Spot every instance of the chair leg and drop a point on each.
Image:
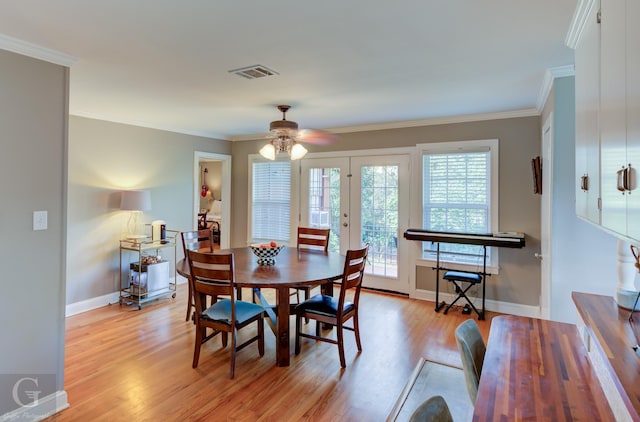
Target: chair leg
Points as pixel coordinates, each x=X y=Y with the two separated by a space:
x=225 y=338
x=298 y=327
x=356 y=331
x=307 y=294
x=200 y=334
x=318 y=324
x=189 y=302
x=340 y=336
x=233 y=354
x=261 y=337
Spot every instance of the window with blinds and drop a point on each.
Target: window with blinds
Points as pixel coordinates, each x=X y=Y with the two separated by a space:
x=456 y=197
x=271 y=201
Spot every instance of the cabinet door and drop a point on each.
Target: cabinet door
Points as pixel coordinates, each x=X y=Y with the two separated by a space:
x=633 y=116
x=613 y=114
x=587 y=80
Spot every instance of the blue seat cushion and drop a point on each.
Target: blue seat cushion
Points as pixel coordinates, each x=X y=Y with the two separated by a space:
x=324 y=305
x=221 y=311
x=462 y=276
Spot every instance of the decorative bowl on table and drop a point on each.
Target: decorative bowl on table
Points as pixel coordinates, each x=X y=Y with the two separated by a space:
x=266 y=252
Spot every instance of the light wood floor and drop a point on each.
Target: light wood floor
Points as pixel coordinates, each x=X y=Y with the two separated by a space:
x=125 y=364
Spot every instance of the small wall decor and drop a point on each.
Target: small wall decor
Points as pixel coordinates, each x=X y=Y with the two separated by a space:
x=536 y=168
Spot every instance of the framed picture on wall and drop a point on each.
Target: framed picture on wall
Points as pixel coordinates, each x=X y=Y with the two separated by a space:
x=536 y=168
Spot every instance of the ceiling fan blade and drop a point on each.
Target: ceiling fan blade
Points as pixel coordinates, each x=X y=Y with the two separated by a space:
x=318 y=137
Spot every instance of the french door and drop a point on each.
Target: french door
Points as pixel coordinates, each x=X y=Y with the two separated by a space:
x=324 y=198
x=364 y=200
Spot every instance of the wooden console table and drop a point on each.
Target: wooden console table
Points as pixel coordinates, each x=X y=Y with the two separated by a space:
x=536 y=369
x=609 y=337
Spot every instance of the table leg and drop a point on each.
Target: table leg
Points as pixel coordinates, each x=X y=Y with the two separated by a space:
x=283 y=354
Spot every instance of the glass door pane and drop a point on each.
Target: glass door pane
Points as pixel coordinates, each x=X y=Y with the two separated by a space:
x=379 y=218
x=324 y=198
x=379 y=203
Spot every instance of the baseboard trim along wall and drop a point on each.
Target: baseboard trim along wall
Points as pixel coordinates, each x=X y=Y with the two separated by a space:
x=490 y=305
x=100 y=301
x=43 y=408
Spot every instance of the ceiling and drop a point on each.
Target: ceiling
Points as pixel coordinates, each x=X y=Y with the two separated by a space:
x=165 y=64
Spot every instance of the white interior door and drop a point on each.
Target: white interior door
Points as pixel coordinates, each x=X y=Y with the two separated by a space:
x=545 y=218
x=379 y=203
x=324 y=198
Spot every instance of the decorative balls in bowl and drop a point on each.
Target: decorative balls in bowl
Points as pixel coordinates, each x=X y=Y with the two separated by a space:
x=266 y=252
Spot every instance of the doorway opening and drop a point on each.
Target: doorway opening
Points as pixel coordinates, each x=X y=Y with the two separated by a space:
x=215 y=183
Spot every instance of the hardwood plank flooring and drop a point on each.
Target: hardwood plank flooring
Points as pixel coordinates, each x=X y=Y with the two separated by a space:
x=125 y=364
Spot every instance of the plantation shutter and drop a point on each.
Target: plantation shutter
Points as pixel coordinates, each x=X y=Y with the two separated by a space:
x=456 y=194
x=271 y=201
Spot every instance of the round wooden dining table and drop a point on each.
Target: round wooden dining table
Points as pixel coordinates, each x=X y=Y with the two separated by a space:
x=293 y=268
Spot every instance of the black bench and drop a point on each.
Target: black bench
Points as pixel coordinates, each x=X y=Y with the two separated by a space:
x=459 y=277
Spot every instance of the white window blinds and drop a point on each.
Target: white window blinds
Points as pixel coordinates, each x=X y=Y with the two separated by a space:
x=271 y=201
x=456 y=195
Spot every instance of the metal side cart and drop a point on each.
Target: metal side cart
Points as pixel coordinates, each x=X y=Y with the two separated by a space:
x=147 y=264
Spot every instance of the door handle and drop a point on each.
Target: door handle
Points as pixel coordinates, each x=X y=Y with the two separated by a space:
x=626 y=182
x=538 y=256
x=619 y=179
x=584 y=182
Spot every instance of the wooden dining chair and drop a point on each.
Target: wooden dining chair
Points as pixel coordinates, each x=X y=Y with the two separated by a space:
x=212 y=276
x=196 y=240
x=329 y=310
x=311 y=238
x=202 y=221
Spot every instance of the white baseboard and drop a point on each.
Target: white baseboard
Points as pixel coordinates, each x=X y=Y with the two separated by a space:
x=490 y=305
x=93 y=303
x=46 y=406
x=100 y=301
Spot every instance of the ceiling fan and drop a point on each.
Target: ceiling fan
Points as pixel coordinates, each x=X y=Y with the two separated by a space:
x=285 y=137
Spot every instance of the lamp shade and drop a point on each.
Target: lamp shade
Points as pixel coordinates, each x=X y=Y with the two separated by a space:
x=136 y=200
x=268 y=151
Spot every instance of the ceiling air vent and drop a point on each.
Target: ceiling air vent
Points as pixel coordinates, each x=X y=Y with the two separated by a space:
x=254 y=72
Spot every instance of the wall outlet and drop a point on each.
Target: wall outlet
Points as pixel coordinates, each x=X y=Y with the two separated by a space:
x=40 y=220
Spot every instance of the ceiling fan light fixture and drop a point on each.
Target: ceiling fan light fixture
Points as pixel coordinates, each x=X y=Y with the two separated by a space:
x=297 y=151
x=268 y=151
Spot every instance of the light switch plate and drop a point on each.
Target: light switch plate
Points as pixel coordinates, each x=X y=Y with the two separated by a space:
x=40 y=220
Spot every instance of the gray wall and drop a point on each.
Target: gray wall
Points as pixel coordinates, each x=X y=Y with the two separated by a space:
x=584 y=258
x=33 y=118
x=106 y=158
x=519 y=279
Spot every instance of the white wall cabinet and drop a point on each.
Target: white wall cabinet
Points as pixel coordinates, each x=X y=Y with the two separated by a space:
x=613 y=132
x=587 y=80
x=633 y=115
x=607 y=117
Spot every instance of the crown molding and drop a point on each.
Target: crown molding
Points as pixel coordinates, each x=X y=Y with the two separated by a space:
x=37 y=52
x=578 y=22
x=416 y=123
x=549 y=76
x=203 y=134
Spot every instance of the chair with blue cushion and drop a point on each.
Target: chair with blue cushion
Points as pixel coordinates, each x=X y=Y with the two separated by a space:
x=326 y=309
x=314 y=239
x=434 y=409
x=196 y=240
x=212 y=276
x=472 y=350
